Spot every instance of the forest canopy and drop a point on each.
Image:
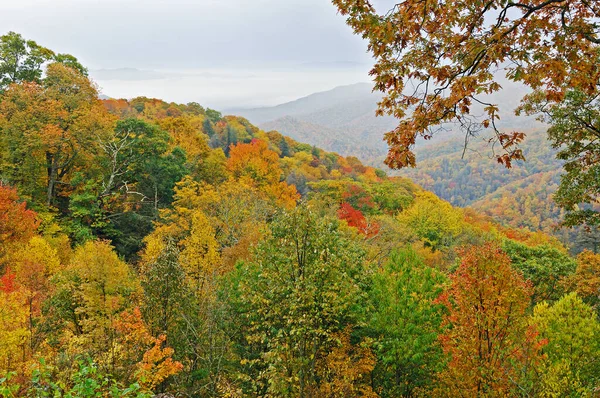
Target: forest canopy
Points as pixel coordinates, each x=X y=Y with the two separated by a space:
x=152 y=248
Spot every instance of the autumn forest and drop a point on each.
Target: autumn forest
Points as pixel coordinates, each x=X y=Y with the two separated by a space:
x=157 y=249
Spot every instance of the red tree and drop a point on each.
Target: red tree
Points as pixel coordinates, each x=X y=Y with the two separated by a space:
x=17 y=223
x=356 y=219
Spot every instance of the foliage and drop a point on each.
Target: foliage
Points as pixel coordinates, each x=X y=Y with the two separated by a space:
x=255 y=163
x=575 y=127
x=406 y=322
x=571 y=328
x=179 y=251
x=49 y=129
x=302 y=287
x=87 y=381
x=17 y=223
x=586 y=279
x=543 y=265
x=22 y=60
x=436 y=222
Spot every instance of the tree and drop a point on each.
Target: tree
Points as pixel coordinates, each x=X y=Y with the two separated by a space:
x=145 y=162
x=34 y=265
x=302 y=287
x=156 y=364
x=85 y=379
x=436 y=62
x=185 y=248
x=586 y=279
x=94 y=288
x=17 y=223
x=345 y=369
x=234 y=210
x=200 y=256
x=488 y=340
x=186 y=133
x=48 y=130
x=259 y=165
x=406 y=322
x=21 y=60
x=139 y=176
x=544 y=266
x=14 y=333
x=356 y=219
x=588 y=238
x=163 y=298
x=571 y=367
x=436 y=222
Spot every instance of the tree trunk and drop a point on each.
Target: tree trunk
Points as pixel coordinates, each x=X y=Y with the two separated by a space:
x=52 y=172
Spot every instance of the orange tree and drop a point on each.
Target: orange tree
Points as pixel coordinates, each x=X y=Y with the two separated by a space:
x=488 y=340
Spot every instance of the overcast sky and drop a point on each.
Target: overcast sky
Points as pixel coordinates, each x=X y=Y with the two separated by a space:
x=225 y=53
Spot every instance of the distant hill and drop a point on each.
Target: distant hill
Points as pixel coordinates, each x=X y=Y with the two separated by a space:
x=520 y=196
x=442 y=169
x=321 y=136
x=309 y=104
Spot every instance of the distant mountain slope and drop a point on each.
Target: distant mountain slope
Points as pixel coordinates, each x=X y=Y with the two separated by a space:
x=309 y=104
x=525 y=202
x=318 y=135
x=520 y=197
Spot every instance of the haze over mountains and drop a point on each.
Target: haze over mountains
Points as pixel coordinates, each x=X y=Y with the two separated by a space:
x=228 y=87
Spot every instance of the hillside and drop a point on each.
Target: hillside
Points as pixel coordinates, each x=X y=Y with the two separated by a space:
x=462 y=180
x=349 y=112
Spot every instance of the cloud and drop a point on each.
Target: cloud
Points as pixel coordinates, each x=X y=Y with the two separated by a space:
x=126 y=74
x=187 y=34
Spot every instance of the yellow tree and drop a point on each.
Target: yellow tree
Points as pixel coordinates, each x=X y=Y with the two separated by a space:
x=186 y=133
x=200 y=256
x=235 y=210
x=34 y=265
x=14 y=333
x=257 y=164
x=570 y=367
x=346 y=369
x=93 y=289
x=436 y=222
x=186 y=247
